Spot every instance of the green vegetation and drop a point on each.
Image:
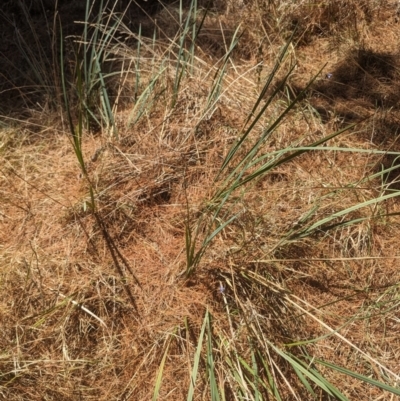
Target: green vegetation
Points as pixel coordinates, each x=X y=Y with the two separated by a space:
x=207 y=208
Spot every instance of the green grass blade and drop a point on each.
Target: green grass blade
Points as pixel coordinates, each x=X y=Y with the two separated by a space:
x=248 y=160
x=271 y=76
x=143 y=103
x=312 y=374
x=63 y=83
x=107 y=105
x=137 y=64
x=210 y=364
x=273 y=386
x=358 y=376
x=275 y=69
x=218 y=77
x=256 y=377
x=207 y=241
x=181 y=62
x=319 y=224
x=160 y=372
x=277 y=161
x=193 y=376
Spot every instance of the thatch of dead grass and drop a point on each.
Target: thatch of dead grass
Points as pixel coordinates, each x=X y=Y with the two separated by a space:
x=101 y=296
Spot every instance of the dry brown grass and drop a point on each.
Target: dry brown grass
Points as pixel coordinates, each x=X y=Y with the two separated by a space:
x=76 y=326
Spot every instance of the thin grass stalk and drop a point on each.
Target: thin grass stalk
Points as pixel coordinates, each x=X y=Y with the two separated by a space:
x=182 y=60
x=256 y=377
x=153 y=46
x=248 y=160
x=123 y=78
x=94 y=53
x=194 y=258
x=365 y=379
x=54 y=49
x=76 y=132
x=106 y=105
x=37 y=60
x=193 y=41
x=245 y=131
x=241 y=387
x=235 y=366
x=196 y=33
x=319 y=225
x=251 y=380
x=180 y=13
x=232 y=349
x=158 y=383
x=215 y=91
x=143 y=103
x=106 y=102
x=63 y=82
x=196 y=360
x=273 y=388
x=108 y=35
x=190 y=245
x=90 y=47
x=303 y=372
x=214 y=393
x=137 y=64
x=337 y=334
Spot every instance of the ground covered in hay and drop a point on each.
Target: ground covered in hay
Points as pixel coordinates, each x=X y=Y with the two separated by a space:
x=141 y=272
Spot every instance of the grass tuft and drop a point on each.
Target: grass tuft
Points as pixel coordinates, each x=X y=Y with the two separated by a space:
x=206 y=205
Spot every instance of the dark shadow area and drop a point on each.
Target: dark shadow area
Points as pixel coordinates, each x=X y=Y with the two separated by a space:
x=332 y=19
x=359 y=86
x=363 y=88
x=366 y=85
x=30 y=71
x=371 y=78
x=391 y=179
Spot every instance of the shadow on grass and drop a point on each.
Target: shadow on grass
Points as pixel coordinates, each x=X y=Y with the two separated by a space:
x=30 y=52
x=364 y=88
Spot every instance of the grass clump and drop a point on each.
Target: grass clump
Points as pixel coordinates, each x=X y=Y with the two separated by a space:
x=228 y=231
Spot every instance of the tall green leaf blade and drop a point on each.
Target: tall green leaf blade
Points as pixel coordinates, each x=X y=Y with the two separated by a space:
x=196 y=360
x=210 y=364
x=160 y=372
x=358 y=376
